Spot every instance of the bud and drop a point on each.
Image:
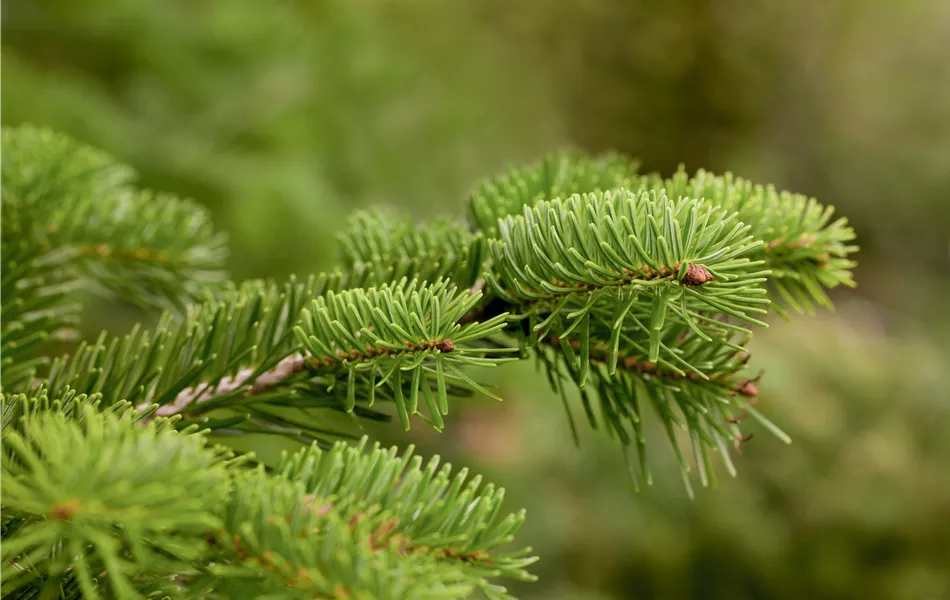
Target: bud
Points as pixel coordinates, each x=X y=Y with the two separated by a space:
x=697 y=275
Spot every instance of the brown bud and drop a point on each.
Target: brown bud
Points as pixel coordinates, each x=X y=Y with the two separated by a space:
x=748 y=388
x=445 y=346
x=65 y=510
x=697 y=275
x=805 y=240
x=340 y=593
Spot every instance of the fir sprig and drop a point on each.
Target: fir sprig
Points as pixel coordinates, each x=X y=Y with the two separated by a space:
x=37 y=309
x=557 y=175
x=407 y=332
x=616 y=257
x=253 y=351
x=152 y=249
x=114 y=501
x=234 y=343
x=417 y=529
x=805 y=250
x=388 y=246
x=706 y=404
x=138 y=509
x=637 y=290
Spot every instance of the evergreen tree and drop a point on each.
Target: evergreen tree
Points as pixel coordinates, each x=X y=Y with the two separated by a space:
x=639 y=291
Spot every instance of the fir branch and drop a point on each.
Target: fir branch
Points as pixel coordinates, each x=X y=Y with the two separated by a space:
x=238 y=352
x=805 y=249
x=708 y=407
x=389 y=247
x=701 y=387
x=637 y=292
x=381 y=507
x=616 y=257
x=36 y=307
x=557 y=175
x=275 y=543
x=130 y=501
x=393 y=333
x=210 y=360
x=329 y=524
x=149 y=248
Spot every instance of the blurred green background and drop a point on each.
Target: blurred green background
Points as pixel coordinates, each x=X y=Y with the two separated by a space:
x=285 y=116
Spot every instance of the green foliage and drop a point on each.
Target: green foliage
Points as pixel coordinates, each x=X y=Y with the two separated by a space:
x=804 y=250
x=557 y=175
x=106 y=495
x=237 y=351
x=685 y=258
x=212 y=357
x=390 y=247
x=617 y=279
x=155 y=508
x=407 y=331
x=59 y=194
x=307 y=552
x=37 y=309
x=384 y=523
x=284 y=118
x=639 y=294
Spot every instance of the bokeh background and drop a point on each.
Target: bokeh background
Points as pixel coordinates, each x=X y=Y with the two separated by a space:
x=285 y=116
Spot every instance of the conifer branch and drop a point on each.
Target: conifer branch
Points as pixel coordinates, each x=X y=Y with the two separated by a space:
x=636 y=290
x=557 y=175
x=252 y=349
x=214 y=354
x=806 y=251
x=396 y=332
x=70 y=478
x=59 y=194
x=403 y=510
x=316 y=525
x=36 y=307
x=804 y=248
x=389 y=247
x=616 y=257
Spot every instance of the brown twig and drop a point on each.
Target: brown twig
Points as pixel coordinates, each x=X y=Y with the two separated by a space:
x=696 y=275
x=645 y=367
x=284 y=369
x=203 y=392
